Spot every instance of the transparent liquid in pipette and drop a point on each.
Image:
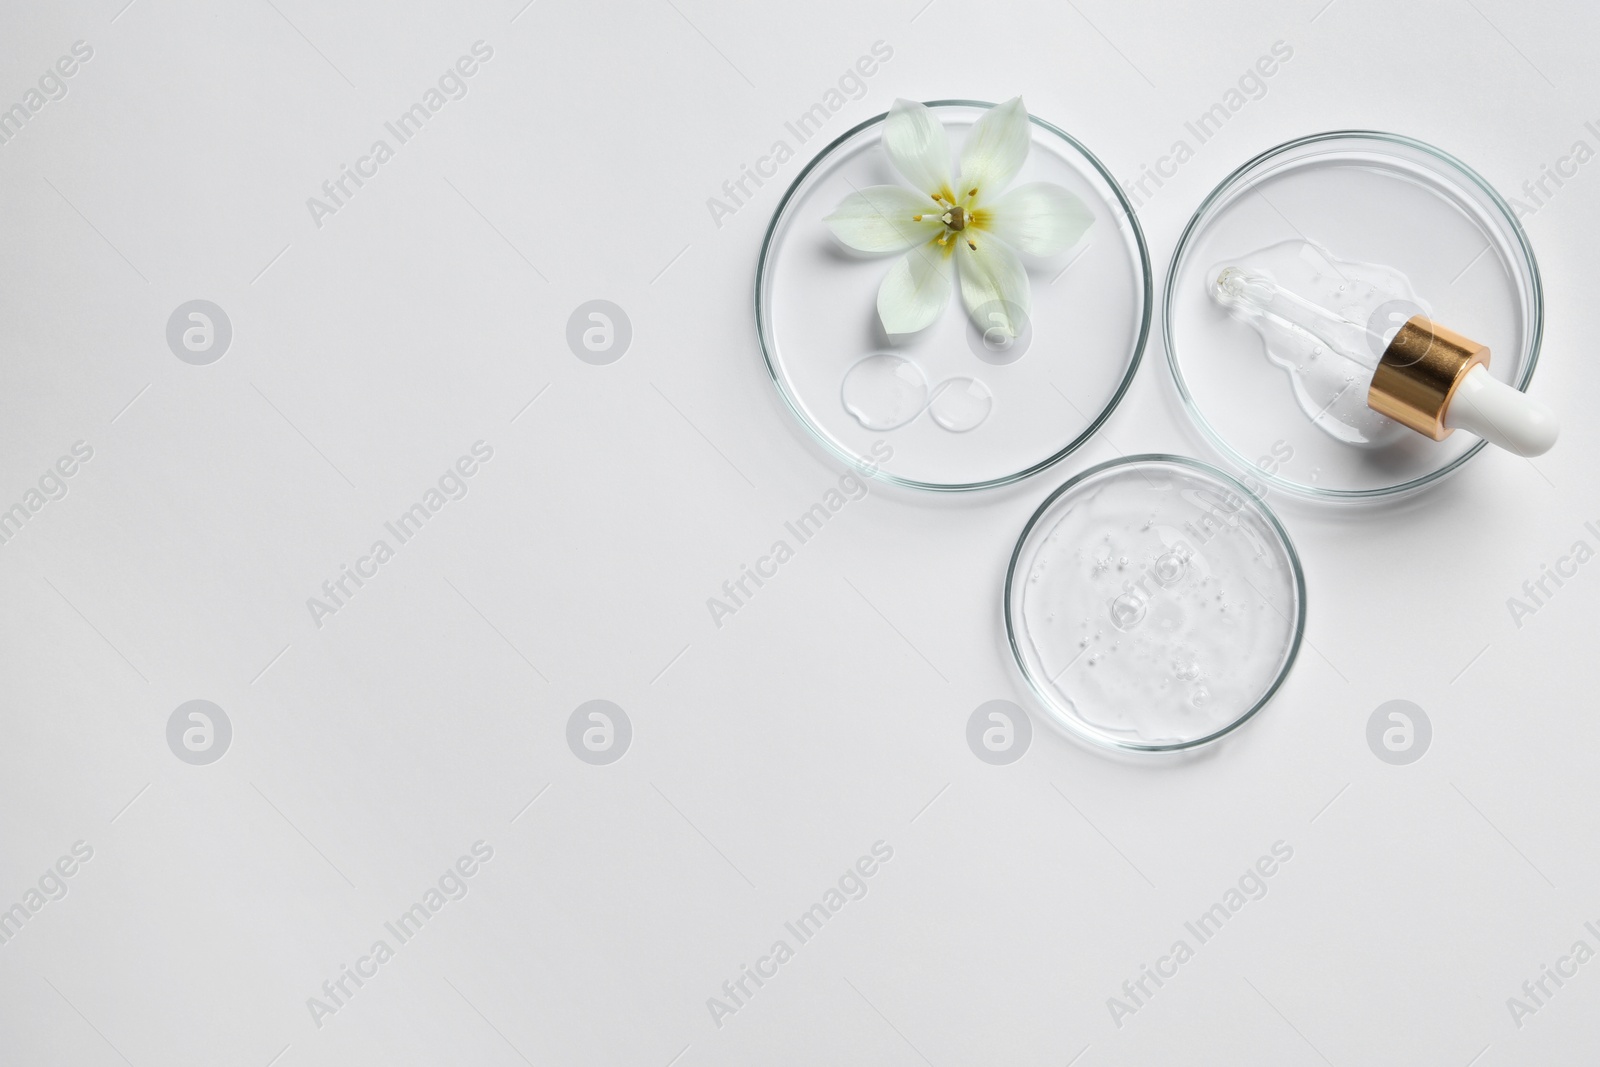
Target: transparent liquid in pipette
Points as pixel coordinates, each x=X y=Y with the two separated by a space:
x=1329 y=380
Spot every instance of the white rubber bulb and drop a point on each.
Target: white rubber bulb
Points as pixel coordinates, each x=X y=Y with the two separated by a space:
x=1489 y=408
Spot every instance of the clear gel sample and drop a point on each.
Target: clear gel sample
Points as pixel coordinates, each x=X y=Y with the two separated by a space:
x=884 y=392
x=961 y=404
x=1157 y=606
x=1326 y=322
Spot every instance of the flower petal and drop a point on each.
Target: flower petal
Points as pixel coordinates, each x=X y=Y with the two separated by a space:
x=995 y=149
x=880 y=218
x=1039 y=219
x=915 y=290
x=918 y=147
x=994 y=285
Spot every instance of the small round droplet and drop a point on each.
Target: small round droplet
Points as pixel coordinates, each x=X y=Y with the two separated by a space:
x=884 y=392
x=961 y=404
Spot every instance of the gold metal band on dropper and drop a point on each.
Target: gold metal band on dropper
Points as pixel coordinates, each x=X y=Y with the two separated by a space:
x=1419 y=373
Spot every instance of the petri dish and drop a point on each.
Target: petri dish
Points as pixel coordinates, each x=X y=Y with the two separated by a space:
x=1153 y=603
x=1408 y=222
x=951 y=407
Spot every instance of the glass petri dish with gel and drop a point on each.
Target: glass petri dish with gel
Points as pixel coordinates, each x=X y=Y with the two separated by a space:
x=951 y=407
x=1153 y=603
x=1351 y=234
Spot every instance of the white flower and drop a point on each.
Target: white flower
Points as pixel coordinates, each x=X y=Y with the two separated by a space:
x=973 y=228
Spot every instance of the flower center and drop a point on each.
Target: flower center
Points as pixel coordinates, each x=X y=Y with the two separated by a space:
x=956 y=218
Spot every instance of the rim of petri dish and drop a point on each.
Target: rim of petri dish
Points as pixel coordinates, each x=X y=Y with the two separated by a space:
x=1072 y=723
x=1220 y=197
x=779 y=379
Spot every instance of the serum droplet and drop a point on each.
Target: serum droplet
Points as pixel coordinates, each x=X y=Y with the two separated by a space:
x=884 y=392
x=961 y=404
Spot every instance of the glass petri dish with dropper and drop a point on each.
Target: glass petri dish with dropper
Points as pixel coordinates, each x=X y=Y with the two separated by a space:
x=951 y=407
x=1154 y=604
x=1365 y=230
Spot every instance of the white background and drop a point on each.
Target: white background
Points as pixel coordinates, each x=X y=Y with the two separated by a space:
x=368 y=754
